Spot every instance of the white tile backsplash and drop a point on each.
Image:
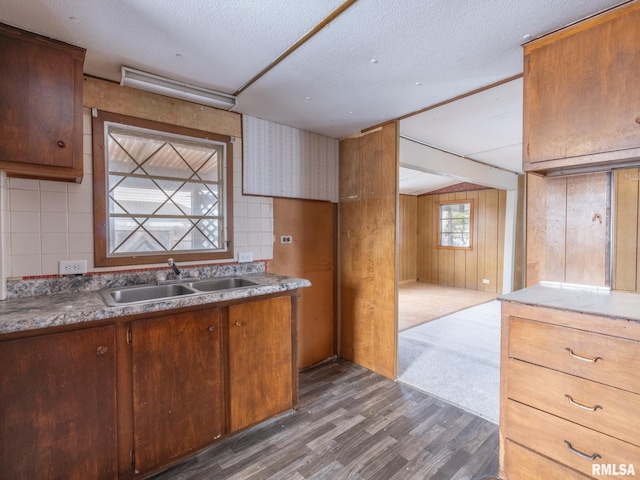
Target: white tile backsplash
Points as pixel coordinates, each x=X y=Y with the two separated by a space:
x=53 y=222
x=81 y=223
x=25 y=222
x=50 y=221
x=23 y=200
x=53 y=201
x=4 y=242
x=55 y=243
x=25 y=244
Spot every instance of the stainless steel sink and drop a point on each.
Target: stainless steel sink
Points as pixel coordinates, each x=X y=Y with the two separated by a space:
x=144 y=293
x=224 y=283
x=153 y=293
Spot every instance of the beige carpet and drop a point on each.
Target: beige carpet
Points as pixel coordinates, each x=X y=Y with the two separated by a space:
x=456 y=358
x=422 y=302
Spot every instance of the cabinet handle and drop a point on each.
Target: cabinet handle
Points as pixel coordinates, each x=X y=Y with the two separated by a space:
x=211 y=328
x=577 y=404
x=61 y=144
x=584 y=359
x=238 y=324
x=102 y=350
x=580 y=454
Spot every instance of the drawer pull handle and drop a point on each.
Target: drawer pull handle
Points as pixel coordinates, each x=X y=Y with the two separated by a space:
x=584 y=359
x=586 y=407
x=580 y=454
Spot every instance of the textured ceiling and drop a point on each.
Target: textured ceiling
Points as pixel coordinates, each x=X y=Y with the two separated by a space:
x=377 y=60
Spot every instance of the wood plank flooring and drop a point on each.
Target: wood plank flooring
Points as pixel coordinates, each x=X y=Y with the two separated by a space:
x=353 y=424
x=420 y=302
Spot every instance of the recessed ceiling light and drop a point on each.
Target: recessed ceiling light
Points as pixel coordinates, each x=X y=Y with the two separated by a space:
x=373 y=60
x=526 y=37
x=307 y=98
x=418 y=83
x=350 y=112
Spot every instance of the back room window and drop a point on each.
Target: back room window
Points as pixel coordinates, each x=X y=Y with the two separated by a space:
x=455 y=224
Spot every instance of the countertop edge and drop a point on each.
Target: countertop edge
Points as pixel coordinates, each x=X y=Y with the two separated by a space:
x=63 y=309
x=586 y=300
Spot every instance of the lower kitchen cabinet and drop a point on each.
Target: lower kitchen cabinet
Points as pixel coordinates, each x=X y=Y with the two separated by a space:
x=128 y=399
x=261 y=373
x=177 y=386
x=58 y=406
x=570 y=394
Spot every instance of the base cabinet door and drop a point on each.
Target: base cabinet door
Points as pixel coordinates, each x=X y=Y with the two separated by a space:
x=177 y=386
x=260 y=361
x=58 y=406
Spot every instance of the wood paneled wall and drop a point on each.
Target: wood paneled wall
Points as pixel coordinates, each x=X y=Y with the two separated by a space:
x=312 y=224
x=408 y=238
x=626 y=257
x=367 y=218
x=567 y=229
x=464 y=268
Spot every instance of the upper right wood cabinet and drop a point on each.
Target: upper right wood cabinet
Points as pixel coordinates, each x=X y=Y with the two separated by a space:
x=581 y=95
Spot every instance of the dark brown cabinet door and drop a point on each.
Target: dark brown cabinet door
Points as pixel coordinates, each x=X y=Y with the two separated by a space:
x=40 y=106
x=58 y=406
x=177 y=386
x=581 y=95
x=260 y=361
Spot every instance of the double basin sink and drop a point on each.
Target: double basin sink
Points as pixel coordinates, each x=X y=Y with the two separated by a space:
x=151 y=293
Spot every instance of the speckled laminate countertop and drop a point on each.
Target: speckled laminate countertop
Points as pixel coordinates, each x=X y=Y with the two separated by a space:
x=596 y=301
x=36 y=312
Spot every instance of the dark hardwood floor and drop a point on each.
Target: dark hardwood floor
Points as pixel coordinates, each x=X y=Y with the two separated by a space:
x=354 y=424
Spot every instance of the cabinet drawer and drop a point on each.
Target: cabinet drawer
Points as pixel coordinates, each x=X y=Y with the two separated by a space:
x=523 y=464
x=601 y=358
x=565 y=441
x=600 y=407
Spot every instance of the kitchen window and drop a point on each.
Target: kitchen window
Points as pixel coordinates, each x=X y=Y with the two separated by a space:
x=160 y=191
x=455 y=224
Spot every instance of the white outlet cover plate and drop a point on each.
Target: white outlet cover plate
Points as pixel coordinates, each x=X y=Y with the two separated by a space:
x=245 y=257
x=72 y=267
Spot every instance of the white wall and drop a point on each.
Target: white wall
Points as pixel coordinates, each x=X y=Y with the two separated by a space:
x=51 y=221
x=283 y=161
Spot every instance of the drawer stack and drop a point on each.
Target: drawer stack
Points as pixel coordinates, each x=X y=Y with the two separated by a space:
x=570 y=405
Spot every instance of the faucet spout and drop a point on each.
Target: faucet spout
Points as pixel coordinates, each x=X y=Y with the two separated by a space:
x=175 y=268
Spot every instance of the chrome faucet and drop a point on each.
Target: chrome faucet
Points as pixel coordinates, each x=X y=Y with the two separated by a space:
x=175 y=268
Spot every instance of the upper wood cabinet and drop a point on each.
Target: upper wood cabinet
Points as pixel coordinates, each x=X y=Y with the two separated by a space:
x=581 y=95
x=40 y=106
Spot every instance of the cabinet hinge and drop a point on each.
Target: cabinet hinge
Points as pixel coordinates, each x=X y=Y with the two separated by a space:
x=129 y=336
x=94 y=112
x=529 y=66
x=132 y=457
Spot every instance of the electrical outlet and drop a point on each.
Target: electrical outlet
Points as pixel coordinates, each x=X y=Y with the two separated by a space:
x=72 y=267
x=286 y=238
x=244 y=257
x=485 y=281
